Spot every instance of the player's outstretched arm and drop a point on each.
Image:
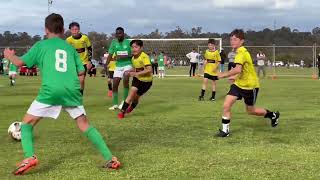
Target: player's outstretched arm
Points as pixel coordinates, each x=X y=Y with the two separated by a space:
x=233 y=72
x=10 y=55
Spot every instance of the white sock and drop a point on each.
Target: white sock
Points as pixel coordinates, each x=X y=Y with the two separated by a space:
x=225 y=127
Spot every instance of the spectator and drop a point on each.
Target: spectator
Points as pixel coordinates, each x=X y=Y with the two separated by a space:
x=200 y=63
x=154 y=62
x=261 y=61
x=231 y=56
x=223 y=59
x=193 y=57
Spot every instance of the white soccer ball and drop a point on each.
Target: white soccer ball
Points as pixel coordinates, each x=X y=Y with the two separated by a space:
x=14 y=131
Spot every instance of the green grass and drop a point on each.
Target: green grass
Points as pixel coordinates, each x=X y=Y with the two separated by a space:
x=171 y=135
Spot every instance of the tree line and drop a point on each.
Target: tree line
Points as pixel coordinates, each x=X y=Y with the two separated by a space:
x=266 y=37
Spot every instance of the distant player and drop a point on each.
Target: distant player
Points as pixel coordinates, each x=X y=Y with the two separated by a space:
x=211 y=69
x=122 y=50
x=161 y=64
x=142 y=77
x=12 y=73
x=61 y=72
x=246 y=85
x=83 y=46
x=154 y=61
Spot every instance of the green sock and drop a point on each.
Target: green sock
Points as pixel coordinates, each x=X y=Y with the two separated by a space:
x=27 y=140
x=125 y=93
x=115 y=98
x=95 y=137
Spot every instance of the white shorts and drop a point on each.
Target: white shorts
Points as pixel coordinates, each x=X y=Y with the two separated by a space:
x=44 y=110
x=161 y=68
x=12 y=73
x=119 y=71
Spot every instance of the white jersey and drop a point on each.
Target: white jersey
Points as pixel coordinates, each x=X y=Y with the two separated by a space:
x=193 y=56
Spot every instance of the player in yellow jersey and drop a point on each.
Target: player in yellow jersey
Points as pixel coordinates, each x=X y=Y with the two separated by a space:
x=211 y=69
x=110 y=71
x=246 y=85
x=142 y=77
x=83 y=46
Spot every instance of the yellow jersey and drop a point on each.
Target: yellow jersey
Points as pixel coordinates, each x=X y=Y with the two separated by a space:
x=112 y=64
x=212 y=62
x=248 y=78
x=81 y=45
x=140 y=64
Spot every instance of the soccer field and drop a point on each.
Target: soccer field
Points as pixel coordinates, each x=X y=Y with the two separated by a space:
x=171 y=134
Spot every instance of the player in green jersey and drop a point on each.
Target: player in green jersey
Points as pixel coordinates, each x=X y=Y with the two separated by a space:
x=12 y=73
x=122 y=50
x=61 y=69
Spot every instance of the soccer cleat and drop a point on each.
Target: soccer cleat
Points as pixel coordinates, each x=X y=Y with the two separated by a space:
x=109 y=93
x=112 y=164
x=120 y=105
x=26 y=165
x=121 y=115
x=212 y=99
x=275 y=119
x=129 y=110
x=201 y=98
x=222 y=133
x=114 y=107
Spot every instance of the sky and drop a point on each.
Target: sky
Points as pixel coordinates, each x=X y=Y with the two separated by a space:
x=144 y=16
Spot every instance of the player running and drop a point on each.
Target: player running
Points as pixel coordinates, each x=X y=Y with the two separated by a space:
x=61 y=72
x=82 y=44
x=246 y=85
x=211 y=69
x=121 y=48
x=142 y=77
x=12 y=73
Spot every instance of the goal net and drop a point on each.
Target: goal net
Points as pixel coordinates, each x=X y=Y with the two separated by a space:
x=176 y=51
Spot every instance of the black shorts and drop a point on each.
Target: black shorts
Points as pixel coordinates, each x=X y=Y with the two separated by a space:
x=249 y=96
x=142 y=87
x=208 y=76
x=110 y=74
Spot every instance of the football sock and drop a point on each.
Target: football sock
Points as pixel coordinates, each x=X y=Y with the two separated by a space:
x=115 y=98
x=110 y=86
x=124 y=107
x=134 y=104
x=269 y=114
x=213 y=94
x=202 y=92
x=225 y=124
x=27 y=140
x=125 y=93
x=81 y=91
x=95 y=137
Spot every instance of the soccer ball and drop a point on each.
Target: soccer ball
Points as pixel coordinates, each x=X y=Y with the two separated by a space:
x=14 y=131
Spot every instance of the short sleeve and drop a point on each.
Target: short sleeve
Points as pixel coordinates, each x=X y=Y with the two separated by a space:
x=31 y=58
x=239 y=59
x=146 y=61
x=87 y=41
x=111 y=48
x=78 y=62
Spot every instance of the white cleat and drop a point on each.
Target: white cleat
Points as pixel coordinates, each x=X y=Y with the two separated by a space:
x=113 y=108
x=120 y=105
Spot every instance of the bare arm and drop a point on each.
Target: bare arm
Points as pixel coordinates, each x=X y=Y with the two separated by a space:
x=10 y=55
x=233 y=72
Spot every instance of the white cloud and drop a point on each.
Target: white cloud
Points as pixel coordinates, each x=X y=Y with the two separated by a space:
x=195 y=5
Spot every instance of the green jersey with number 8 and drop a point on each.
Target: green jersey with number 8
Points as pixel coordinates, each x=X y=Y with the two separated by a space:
x=59 y=65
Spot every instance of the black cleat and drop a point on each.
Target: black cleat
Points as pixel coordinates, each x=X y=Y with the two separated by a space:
x=212 y=99
x=201 y=98
x=275 y=119
x=222 y=133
